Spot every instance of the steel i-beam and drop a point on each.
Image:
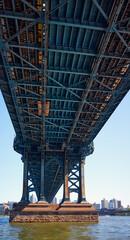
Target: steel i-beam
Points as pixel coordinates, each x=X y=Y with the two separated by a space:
x=66 y=179
x=25 y=197
x=42 y=190
x=82 y=197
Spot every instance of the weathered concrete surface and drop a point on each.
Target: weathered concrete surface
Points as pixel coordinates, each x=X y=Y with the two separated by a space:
x=66 y=212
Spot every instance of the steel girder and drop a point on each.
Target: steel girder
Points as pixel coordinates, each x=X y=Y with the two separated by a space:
x=64 y=69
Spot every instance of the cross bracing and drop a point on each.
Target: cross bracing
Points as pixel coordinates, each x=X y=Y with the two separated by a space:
x=64 y=68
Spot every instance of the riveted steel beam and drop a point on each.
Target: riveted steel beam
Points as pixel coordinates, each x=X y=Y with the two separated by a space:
x=83 y=26
x=121 y=38
x=24 y=198
x=94 y=71
x=16 y=15
x=37 y=69
x=66 y=171
x=67 y=89
x=59 y=49
x=58 y=6
x=100 y=9
x=22 y=30
x=32 y=7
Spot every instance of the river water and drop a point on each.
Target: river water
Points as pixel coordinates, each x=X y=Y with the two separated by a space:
x=108 y=228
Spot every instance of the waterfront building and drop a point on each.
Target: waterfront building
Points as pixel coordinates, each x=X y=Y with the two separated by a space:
x=96 y=206
x=6 y=209
x=104 y=203
x=119 y=204
x=115 y=203
x=111 y=204
x=10 y=204
x=2 y=208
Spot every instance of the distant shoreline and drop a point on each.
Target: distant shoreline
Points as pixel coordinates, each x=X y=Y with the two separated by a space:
x=114 y=212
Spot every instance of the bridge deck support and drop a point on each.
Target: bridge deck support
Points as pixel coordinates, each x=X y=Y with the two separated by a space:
x=82 y=197
x=42 y=191
x=66 y=187
x=24 y=198
x=66 y=212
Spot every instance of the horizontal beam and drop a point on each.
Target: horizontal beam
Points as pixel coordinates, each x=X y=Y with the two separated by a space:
x=65 y=71
x=18 y=66
x=62 y=99
x=29 y=17
x=87 y=25
x=37 y=84
x=27 y=96
x=66 y=50
x=48 y=98
x=16 y=15
x=68 y=71
x=103 y=90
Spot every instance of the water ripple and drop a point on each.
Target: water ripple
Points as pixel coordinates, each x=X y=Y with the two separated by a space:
x=108 y=228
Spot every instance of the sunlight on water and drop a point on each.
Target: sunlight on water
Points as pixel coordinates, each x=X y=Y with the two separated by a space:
x=107 y=228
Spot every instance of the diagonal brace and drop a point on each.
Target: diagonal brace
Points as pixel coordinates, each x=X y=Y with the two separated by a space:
x=59 y=5
x=32 y=7
x=61 y=85
x=121 y=38
x=37 y=69
x=100 y=9
x=22 y=30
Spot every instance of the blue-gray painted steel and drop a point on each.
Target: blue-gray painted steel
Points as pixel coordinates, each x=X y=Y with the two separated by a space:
x=64 y=68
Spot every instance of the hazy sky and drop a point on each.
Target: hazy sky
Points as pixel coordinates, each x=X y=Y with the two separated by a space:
x=107 y=170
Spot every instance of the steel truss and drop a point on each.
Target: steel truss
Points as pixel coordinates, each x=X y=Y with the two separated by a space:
x=64 y=68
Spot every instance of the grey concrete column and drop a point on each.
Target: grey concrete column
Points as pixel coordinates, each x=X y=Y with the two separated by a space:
x=25 y=197
x=66 y=168
x=42 y=187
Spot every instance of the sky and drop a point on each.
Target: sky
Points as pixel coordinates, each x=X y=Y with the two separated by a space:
x=107 y=170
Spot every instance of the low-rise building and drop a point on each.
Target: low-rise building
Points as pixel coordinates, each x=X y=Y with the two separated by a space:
x=6 y=209
x=96 y=206
x=2 y=209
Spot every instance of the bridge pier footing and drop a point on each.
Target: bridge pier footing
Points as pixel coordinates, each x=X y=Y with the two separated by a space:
x=83 y=212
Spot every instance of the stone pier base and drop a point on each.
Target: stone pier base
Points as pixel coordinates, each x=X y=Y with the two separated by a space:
x=66 y=212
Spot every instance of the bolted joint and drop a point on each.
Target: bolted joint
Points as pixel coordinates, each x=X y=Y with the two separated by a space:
x=4 y=45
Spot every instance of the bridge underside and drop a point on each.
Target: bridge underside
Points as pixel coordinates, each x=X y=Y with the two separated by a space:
x=64 y=68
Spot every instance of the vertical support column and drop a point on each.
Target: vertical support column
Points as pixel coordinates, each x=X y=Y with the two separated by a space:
x=82 y=197
x=42 y=186
x=25 y=197
x=66 y=188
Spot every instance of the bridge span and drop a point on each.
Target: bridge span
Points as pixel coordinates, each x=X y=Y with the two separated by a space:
x=64 y=68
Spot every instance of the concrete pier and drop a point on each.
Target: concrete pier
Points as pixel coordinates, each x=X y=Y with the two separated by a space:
x=66 y=212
